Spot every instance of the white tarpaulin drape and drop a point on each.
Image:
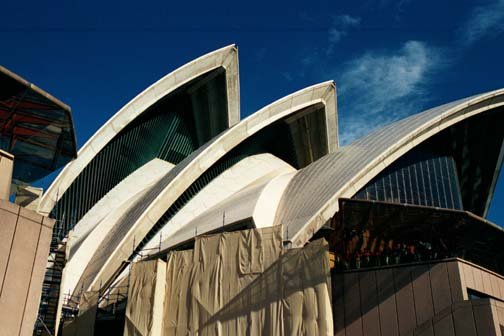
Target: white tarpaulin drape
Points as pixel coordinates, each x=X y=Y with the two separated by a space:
x=238 y=283
x=145 y=299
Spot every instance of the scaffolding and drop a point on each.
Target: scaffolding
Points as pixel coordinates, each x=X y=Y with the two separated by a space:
x=107 y=311
x=46 y=321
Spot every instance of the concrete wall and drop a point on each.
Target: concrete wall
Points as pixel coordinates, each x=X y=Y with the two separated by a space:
x=479 y=279
x=6 y=166
x=395 y=300
x=24 y=248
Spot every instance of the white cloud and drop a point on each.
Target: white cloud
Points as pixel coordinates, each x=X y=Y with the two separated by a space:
x=336 y=35
x=398 y=6
x=288 y=76
x=339 y=29
x=380 y=87
x=484 y=20
x=260 y=53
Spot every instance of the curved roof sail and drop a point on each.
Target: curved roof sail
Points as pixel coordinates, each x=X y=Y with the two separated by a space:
x=147 y=214
x=310 y=201
x=195 y=95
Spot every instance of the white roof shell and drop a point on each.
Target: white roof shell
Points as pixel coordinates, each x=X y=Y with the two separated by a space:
x=137 y=222
x=226 y=58
x=310 y=201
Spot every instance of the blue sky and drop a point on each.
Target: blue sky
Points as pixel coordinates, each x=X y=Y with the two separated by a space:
x=389 y=58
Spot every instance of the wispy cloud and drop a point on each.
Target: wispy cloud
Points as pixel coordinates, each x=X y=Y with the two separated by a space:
x=484 y=20
x=260 y=53
x=380 y=87
x=340 y=26
x=394 y=7
x=288 y=76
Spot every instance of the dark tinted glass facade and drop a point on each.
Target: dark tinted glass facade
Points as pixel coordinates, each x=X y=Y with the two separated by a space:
x=420 y=177
x=37 y=130
x=170 y=130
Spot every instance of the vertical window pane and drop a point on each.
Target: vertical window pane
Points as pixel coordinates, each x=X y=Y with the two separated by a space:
x=420 y=178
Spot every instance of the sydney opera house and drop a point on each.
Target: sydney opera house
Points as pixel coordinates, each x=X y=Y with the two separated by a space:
x=177 y=217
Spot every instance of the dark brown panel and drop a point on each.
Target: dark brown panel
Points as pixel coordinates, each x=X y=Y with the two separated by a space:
x=443 y=324
x=387 y=303
x=353 y=321
x=463 y=319
x=500 y=313
x=423 y=296
x=483 y=318
x=338 y=305
x=440 y=285
x=369 y=304
x=425 y=329
x=454 y=275
x=405 y=300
